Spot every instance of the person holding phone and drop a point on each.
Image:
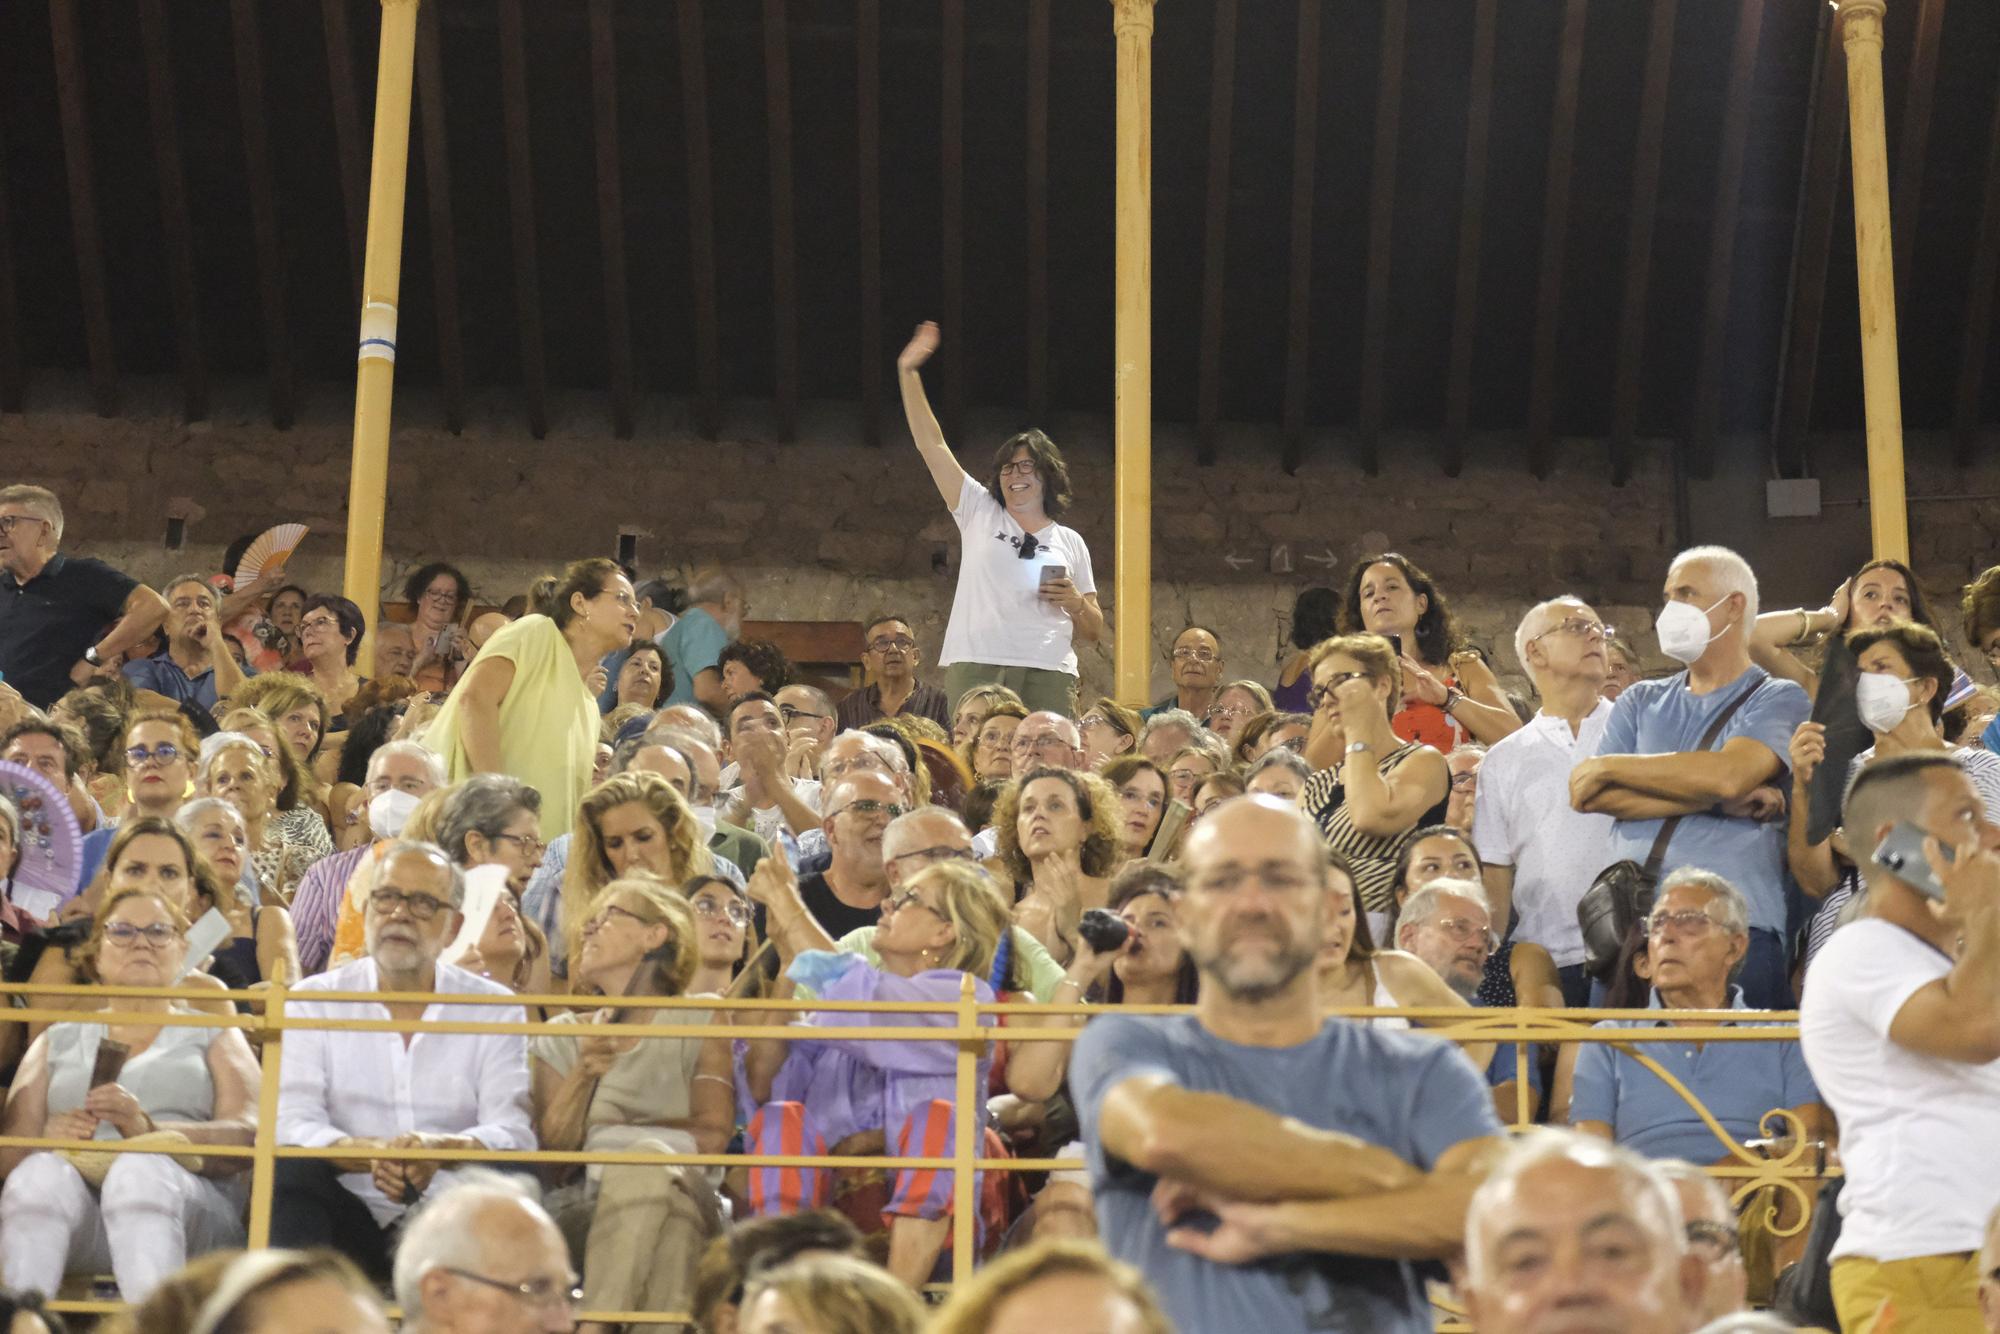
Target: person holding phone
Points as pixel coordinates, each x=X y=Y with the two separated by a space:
x=1025 y=592
x=1901 y=1029
x=1449 y=694
x=441 y=596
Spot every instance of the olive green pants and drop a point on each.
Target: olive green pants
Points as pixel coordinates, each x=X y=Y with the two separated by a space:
x=1039 y=688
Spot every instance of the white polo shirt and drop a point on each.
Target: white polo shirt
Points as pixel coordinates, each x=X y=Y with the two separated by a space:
x=1523 y=819
x=997 y=615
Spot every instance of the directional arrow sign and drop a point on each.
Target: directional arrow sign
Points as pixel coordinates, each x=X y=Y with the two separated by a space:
x=1236 y=562
x=1329 y=559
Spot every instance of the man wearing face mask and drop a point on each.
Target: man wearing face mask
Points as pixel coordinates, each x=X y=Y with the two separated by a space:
x=1687 y=765
x=400 y=774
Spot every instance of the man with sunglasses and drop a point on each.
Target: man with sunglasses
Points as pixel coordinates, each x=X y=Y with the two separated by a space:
x=892 y=656
x=359 y=1092
x=63 y=619
x=1696 y=939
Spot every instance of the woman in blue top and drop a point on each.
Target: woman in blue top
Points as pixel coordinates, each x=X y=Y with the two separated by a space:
x=1025 y=588
x=147 y=1213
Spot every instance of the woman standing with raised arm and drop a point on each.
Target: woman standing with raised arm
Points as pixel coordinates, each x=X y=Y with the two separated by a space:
x=1026 y=591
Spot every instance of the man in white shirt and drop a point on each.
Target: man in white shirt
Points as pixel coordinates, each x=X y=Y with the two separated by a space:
x=1901 y=1029
x=1540 y=854
x=365 y=1091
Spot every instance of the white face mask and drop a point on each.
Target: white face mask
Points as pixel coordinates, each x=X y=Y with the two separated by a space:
x=705 y=817
x=1882 y=700
x=1683 y=631
x=389 y=811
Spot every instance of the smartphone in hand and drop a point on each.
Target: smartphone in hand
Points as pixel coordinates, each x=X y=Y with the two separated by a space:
x=1054 y=574
x=1901 y=854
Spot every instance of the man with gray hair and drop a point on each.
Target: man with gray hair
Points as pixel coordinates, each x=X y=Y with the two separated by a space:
x=196 y=666
x=1539 y=854
x=694 y=642
x=1696 y=939
x=63 y=619
x=1447 y=924
x=1692 y=768
x=400 y=774
x=1709 y=1221
x=363 y=1091
x=1574 y=1234
x=481 y=1256
x=1165 y=733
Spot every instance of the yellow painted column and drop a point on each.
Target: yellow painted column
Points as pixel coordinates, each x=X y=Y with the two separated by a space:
x=1888 y=511
x=1133 y=400
x=381 y=285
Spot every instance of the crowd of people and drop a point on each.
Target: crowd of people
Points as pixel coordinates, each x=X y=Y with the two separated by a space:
x=601 y=789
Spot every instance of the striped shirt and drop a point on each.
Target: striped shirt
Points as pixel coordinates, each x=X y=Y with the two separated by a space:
x=316 y=907
x=1373 y=856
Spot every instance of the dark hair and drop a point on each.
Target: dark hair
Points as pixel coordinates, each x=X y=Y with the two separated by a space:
x=754 y=697
x=1436 y=631
x=1408 y=855
x=758 y=1244
x=28 y=1303
x=882 y=618
x=1315 y=616
x=1363 y=944
x=75 y=750
x=283 y=589
x=365 y=736
x=1627 y=990
x=426 y=575
x=550 y=595
x=762 y=659
x=665 y=595
x=1894 y=774
x=889 y=732
x=1920 y=647
x=1920 y=607
x=1136 y=880
x=977 y=808
x=1049 y=466
x=666 y=670
x=352 y=623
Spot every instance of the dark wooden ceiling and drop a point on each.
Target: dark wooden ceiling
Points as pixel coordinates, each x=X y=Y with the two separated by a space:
x=1601 y=218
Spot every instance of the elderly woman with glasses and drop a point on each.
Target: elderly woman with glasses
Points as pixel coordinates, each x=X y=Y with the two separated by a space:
x=142 y=1215
x=493 y=820
x=1236 y=704
x=525 y=706
x=441 y=597
x=826 y=1095
x=636 y=1231
x=238 y=769
x=262 y=946
x=990 y=752
x=1108 y=731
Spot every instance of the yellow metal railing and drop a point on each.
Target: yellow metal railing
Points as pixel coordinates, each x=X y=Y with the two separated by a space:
x=973 y=1029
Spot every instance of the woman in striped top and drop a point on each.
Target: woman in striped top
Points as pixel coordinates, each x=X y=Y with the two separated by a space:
x=1376 y=788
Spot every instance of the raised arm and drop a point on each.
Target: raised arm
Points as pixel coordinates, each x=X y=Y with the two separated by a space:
x=1957 y=1017
x=1812 y=864
x=946 y=473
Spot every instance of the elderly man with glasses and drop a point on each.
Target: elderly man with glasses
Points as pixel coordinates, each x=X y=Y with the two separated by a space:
x=848 y=894
x=484 y=1256
x=892 y=656
x=1448 y=925
x=1696 y=939
x=359 y=1092
x=1196 y=662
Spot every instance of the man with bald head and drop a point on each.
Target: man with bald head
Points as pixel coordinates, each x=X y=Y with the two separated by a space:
x=1706 y=749
x=1575 y=1235
x=1266 y=1168
x=484 y=1257
x=1044 y=740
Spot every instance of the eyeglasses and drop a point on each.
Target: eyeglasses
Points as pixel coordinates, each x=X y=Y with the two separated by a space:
x=597 y=923
x=737 y=913
x=790 y=714
x=942 y=852
x=1018 y=468
x=909 y=898
x=320 y=622
x=624 y=600
x=8 y=521
x=867 y=761
x=164 y=753
x=1230 y=711
x=1463 y=782
x=996 y=740
x=1319 y=693
x=1467 y=928
x=1693 y=922
x=870 y=806
x=439 y=595
x=1193 y=655
x=529 y=843
x=423 y=907
x=1578 y=627
x=1045 y=741
x=126 y=935
x=536 y=1292
x=1132 y=796
x=900 y=644
x=1712 y=1241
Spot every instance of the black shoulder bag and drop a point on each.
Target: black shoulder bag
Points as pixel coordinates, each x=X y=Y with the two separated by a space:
x=1622 y=894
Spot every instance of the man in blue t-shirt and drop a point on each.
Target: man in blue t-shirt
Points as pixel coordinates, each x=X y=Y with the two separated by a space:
x=1265 y=1168
x=694 y=643
x=1651 y=765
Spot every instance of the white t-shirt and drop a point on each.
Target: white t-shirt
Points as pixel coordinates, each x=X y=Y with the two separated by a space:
x=997 y=616
x=1916 y=1131
x=768 y=822
x=1523 y=819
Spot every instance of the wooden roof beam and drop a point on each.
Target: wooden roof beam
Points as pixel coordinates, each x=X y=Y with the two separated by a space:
x=1471 y=236
x=1913 y=146
x=1215 y=228
x=521 y=212
x=249 y=47
x=951 y=125
x=1628 y=380
x=1382 y=229
x=437 y=195
x=611 y=212
x=1038 y=208
x=701 y=218
x=1818 y=209
x=176 y=225
x=1979 y=300
x=784 y=218
x=92 y=289
x=868 y=101
x=13 y=375
x=352 y=158
x=1305 y=154
x=1555 y=239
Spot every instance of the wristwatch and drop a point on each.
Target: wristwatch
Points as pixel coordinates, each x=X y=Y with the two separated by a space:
x=1452 y=695
x=1360 y=748
x=90 y=656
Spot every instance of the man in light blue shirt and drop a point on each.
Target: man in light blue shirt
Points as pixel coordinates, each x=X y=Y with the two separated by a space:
x=1651 y=766
x=694 y=643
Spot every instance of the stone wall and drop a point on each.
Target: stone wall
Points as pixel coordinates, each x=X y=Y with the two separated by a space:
x=825 y=529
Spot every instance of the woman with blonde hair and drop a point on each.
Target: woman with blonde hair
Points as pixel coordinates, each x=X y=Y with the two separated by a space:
x=635 y=1231
x=871 y=1096
x=1059 y=1284
x=1236 y=704
x=828 y=1294
x=989 y=752
x=1059 y=838
x=262 y=946
x=1109 y=730
x=974 y=707
x=259 y=1292
x=634 y=821
x=143 y=1214
x=237 y=767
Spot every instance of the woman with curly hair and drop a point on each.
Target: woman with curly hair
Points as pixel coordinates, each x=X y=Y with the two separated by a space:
x=1026 y=593
x=1059 y=839
x=441 y=595
x=1448 y=691
x=634 y=821
x=749 y=665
